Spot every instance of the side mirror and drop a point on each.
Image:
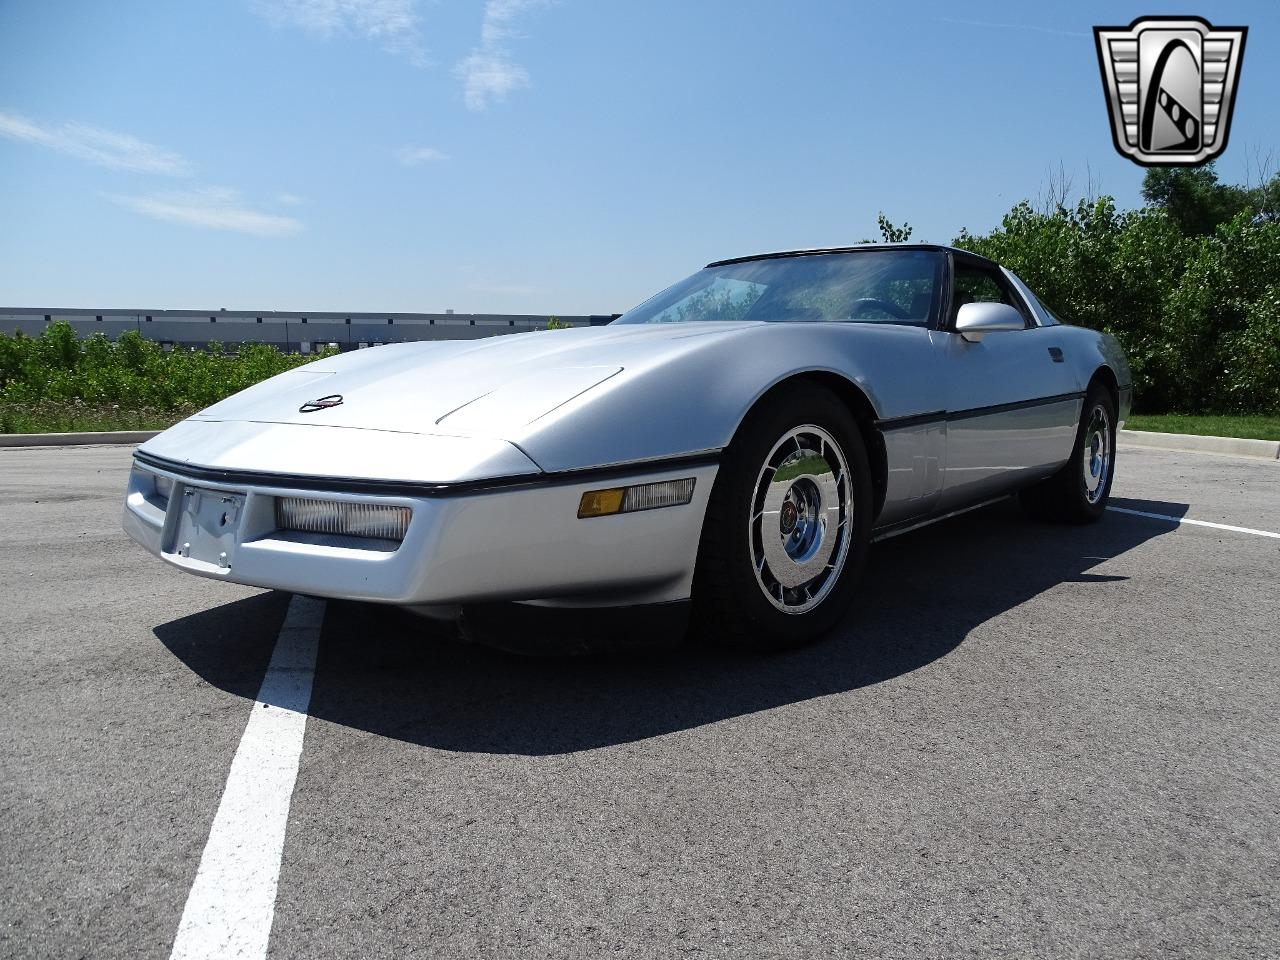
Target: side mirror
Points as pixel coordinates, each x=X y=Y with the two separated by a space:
x=975 y=320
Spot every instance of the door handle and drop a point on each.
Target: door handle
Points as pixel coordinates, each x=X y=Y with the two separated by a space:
x=1056 y=353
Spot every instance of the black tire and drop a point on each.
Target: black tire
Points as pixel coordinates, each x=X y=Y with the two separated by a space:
x=1070 y=496
x=730 y=605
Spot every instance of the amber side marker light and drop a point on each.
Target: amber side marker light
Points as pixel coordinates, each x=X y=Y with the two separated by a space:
x=645 y=496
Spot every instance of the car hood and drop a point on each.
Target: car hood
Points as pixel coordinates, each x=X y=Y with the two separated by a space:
x=550 y=402
x=495 y=387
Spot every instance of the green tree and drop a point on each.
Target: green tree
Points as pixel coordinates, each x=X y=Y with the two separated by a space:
x=1223 y=320
x=1099 y=267
x=1196 y=200
x=890 y=233
x=1189 y=285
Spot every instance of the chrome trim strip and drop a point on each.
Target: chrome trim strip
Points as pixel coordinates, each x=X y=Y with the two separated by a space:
x=919 y=419
x=916 y=420
x=1009 y=407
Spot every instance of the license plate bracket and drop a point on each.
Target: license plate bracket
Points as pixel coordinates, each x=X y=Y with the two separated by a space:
x=205 y=533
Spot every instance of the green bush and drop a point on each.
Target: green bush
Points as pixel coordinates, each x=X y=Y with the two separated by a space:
x=1189 y=285
x=1101 y=268
x=56 y=371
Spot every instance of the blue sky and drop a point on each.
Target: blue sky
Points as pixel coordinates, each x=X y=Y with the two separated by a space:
x=522 y=156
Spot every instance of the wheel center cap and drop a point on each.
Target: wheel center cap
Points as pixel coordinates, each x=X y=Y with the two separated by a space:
x=787 y=517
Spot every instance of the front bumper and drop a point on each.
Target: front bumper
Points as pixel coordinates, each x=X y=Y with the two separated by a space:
x=521 y=541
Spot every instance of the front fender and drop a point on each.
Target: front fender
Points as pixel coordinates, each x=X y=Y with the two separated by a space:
x=691 y=399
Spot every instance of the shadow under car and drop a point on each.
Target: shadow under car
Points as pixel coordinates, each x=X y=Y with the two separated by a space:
x=387 y=672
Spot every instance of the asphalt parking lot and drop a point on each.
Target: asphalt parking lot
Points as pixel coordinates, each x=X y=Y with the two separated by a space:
x=1026 y=741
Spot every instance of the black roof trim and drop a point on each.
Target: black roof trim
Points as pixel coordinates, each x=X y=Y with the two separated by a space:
x=856 y=248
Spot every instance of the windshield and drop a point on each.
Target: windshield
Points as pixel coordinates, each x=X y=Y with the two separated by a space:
x=863 y=286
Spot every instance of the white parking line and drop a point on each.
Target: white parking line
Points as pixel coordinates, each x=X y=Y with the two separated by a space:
x=233 y=899
x=1198 y=523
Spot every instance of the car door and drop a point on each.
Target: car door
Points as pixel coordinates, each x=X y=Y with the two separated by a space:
x=1012 y=402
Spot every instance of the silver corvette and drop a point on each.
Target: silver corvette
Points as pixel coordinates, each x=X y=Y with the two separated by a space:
x=738 y=440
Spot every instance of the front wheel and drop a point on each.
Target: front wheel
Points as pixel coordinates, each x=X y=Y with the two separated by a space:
x=1078 y=492
x=787 y=525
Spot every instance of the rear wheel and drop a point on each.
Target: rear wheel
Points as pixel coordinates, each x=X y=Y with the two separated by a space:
x=787 y=525
x=1078 y=492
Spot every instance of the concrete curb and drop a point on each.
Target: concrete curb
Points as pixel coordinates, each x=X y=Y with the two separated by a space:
x=1232 y=446
x=131 y=437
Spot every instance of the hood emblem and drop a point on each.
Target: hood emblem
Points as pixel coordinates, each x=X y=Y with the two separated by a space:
x=324 y=403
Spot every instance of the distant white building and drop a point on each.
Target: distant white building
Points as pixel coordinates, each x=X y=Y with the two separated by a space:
x=293 y=332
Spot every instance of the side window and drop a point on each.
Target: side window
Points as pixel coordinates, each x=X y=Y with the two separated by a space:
x=1047 y=316
x=980 y=285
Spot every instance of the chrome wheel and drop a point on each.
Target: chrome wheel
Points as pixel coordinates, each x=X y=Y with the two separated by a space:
x=1096 y=455
x=800 y=525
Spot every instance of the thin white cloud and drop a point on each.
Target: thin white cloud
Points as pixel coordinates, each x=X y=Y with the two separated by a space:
x=488 y=73
x=216 y=208
x=413 y=156
x=393 y=23
x=289 y=199
x=489 y=77
x=106 y=148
